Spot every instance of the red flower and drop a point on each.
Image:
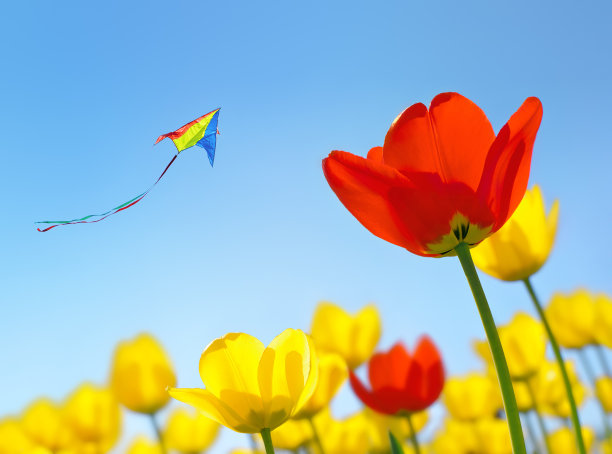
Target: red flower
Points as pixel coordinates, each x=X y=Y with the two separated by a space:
x=442 y=176
x=401 y=383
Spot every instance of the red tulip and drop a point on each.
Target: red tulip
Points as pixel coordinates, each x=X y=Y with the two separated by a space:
x=401 y=383
x=442 y=176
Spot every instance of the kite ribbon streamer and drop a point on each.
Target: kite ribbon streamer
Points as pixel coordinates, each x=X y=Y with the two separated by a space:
x=98 y=217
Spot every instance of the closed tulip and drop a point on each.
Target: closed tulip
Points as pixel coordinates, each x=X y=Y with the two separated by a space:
x=562 y=441
x=523 y=244
x=572 y=318
x=353 y=337
x=250 y=387
x=141 y=372
x=402 y=383
x=456 y=437
x=13 y=440
x=44 y=422
x=603 y=391
x=493 y=436
x=472 y=397
x=189 y=433
x=603 y=320
x=550 y=389
x=332 y=374
x=94 y=415
x=142 y=445
x=343 y=436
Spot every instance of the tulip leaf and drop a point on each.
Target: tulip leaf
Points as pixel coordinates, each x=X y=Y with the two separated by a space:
x=396 y=448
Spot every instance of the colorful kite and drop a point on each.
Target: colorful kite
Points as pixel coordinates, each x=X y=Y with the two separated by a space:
x=201 y=132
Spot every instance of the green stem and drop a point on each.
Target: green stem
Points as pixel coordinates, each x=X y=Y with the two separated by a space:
x=413 y=435
x=499 y=360
x=531 y=433
x=591 y=376
x=561 y=363
x=267 y=440
x=539 y=418
x=315 y=436
x=158 y=433
x=602 y=359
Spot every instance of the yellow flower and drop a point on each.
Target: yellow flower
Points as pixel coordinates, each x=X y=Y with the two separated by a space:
x=347 y=436
x=603 y=391
x=572 y=318
x=524 y=343
x=189 y=432
x=606 y=445
x=352 y=337
x=250 y=387
x=44 y=423
x=94 y=415
x=456 y=437
x=603 y=320
x=140 y=374
x=13 y=439
x=332 y=374
x=562 y=441
x=292 y=435
x=523 y=244
x=472 y=397
x=380 y=425
x=493 y=436
x=550 y=389
x=142 y=445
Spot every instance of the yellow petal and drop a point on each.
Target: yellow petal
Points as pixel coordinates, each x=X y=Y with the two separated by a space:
x=12 y=437
x=45 y=424
x=190 y=432
x=572 y=318
x=603 y=391
x=471 y=397
x=524 y=342
x=214 y=408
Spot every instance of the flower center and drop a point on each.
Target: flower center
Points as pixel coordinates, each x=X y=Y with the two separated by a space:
x=461 y=231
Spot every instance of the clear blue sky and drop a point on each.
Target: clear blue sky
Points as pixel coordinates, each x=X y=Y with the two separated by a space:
x=253 y=244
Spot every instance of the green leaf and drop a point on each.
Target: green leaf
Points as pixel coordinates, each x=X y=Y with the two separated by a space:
x=396 y=448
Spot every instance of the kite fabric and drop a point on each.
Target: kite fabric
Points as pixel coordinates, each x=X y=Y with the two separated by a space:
x=201 y=131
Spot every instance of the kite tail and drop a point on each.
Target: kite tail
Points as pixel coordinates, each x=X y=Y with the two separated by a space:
x=90 y=219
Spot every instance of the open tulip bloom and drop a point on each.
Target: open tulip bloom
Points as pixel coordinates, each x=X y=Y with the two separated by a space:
x=251 y=388
x=441 y=183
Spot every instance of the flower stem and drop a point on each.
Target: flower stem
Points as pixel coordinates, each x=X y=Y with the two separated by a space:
x=561 y=363
x=413 y=435
x=267 y=440
x=315 y=436
x=499 y=360
x=539 y=418
x=158 y=433
x=602 y=359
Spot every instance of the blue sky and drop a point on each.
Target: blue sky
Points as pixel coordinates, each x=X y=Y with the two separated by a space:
x=253 y=244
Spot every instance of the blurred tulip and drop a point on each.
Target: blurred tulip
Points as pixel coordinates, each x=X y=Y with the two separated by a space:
x=603 y=391
x=352 y=337
x=456 y=437
x=292 y=435
x=572 y=318
x=551 y=390
x=400 y=382
x=250 y=387
x=524 y=342
x=188 y=432
x=603 y=320
x=246 y=451
x=380 y=425
x=562 y=441
x=523 y=244
x=142 y=445
x=13 y=440
x=606 y=445
x=94 y=415
x=346 y=436
x=141 y=372
x=472 y=397
x=332 y=374
x=44 y=422
x=493 y=436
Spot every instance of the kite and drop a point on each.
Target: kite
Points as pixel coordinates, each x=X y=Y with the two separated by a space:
x=201 y=132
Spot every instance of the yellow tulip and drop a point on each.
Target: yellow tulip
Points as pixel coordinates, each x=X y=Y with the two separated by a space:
x=562 y=441
x=572 y=318
x=292 y=435
x=13 y=439
x=250 y=387
x=493 y=436
x=524 y=342
x=550 y=389
x=142 y=445
x=603 y=391
x=141 y=372
x=523 y=244
x=380 y=425
x=188 y=432
x=352 y=337
x=472 y=397
x=606 y=445
x=332 y=374
x=456 y=437
x=45 y=424
x=246 y=451
x=94 y=415
x=346 y=436
x=603 y=320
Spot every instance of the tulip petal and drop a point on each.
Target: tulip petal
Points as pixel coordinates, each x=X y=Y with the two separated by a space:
x=451 y=139
x=389 y=370
x=506 y=169
x=428 y=356
x=383 y=401
x=363 y=186
x=376 y=154
x=213 y=408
